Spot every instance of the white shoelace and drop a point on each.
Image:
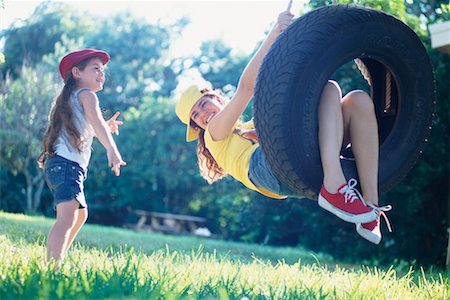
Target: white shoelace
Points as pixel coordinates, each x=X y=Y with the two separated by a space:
x=351 y=193
x=381 y=212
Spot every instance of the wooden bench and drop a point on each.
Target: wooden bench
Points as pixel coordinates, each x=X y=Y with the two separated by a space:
x=167 y=223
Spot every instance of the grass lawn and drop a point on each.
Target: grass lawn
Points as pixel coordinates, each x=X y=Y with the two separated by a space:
x=115 y=263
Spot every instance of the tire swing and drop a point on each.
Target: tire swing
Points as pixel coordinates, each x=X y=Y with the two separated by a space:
x=299 y=64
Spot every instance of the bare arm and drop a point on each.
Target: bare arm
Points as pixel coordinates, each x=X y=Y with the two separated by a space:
x=220 y=126
x=89 y=102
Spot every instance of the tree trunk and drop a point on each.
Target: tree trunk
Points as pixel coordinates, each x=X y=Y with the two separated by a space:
x=29 y=207
x=35 y=185
x=38 y=193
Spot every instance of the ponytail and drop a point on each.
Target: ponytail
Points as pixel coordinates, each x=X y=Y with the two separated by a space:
x=61 y=116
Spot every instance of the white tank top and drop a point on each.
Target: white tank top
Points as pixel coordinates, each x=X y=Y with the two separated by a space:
x=62 y=145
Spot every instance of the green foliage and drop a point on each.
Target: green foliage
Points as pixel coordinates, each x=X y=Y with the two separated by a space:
x=145 y=70
x=30 y=41
x=217 y=64
x=429 y=10
x=24 y=114
x=24 y=105
x=188 y=268
x=12 y=202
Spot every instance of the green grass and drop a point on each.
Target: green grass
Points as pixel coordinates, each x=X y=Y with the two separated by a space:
x=112 y=263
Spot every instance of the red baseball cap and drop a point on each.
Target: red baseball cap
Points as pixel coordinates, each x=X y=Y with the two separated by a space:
x=74 y=57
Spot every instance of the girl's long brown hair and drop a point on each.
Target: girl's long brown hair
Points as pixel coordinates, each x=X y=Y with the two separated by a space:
x=61 y=116
x=209 y=169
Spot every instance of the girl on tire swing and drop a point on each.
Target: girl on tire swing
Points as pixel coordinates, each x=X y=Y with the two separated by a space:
x=226 y=146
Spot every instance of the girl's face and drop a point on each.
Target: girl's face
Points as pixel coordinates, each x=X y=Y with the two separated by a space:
x=92 y=76
x=204 y=110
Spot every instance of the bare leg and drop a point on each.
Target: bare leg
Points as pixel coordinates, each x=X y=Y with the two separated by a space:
x=359 y=118
x=58 y=237
x=81 y=219
x=331 y=134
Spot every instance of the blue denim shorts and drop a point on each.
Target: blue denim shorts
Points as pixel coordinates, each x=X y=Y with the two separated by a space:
x=261 y=175
x=65 y=179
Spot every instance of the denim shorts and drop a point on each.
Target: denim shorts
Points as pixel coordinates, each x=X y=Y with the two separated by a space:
x=65 y=179
x=261 y=175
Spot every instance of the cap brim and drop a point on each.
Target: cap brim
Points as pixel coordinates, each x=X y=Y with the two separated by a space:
x=103 y=56
x=191 y=134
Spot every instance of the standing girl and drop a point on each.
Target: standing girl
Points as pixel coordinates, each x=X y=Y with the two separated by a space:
x=226 y=146
x=74 y=119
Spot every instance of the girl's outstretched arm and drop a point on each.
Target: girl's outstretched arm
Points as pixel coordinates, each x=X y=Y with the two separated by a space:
x=89 y=102
x=221 y=125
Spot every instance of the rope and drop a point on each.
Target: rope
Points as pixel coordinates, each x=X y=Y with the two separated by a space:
x=387 y=104
x=289 y=5
x=363 y=69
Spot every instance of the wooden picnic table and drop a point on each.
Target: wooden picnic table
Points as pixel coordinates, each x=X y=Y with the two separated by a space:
x=167 y=223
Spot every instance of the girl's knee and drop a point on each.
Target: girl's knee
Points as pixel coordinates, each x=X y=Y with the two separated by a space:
x=331 y=95
x=67 y=214
x=333 y=87
x=65 y=223
x=83 y=215
x=359 y=100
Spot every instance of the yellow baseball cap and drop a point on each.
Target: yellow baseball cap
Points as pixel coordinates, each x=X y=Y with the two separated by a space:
x=184 y=106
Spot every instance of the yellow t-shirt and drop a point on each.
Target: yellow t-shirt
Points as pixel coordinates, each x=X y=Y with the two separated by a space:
x=233 y=155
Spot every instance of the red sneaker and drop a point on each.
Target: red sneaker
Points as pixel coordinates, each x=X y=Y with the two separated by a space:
x=347 y=204
x=371 y=231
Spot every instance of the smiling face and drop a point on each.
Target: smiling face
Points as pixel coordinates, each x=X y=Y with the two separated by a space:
x=92 y=76
x=205 y=109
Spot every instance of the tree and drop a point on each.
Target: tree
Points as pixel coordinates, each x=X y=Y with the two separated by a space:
x=431 y=10
x=139 y=59
x=24 y=107
x=37 y=36
x=217 y=64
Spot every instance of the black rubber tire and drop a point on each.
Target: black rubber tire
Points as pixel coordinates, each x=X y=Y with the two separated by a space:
x=299 y=64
